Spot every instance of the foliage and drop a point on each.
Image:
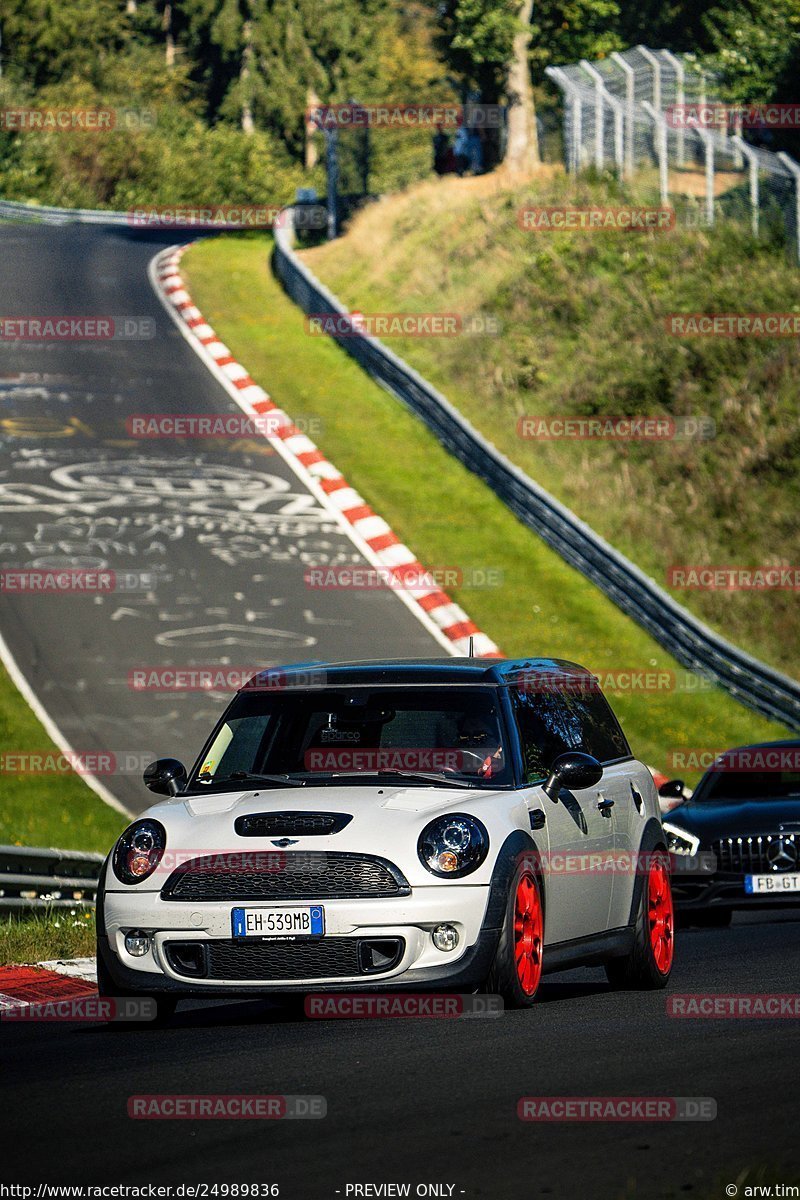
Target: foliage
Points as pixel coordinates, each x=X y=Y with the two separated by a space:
x=757 y=49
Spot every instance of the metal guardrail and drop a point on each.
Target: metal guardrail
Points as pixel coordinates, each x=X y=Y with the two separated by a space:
x=12 y=210
x=40 y=879
x=688 y=639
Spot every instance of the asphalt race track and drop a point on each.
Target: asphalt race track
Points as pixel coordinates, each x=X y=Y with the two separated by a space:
x=431 y=1101
x=220 y=537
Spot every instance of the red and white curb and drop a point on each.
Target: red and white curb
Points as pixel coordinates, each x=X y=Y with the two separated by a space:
x=446 y=620
x=47 y=983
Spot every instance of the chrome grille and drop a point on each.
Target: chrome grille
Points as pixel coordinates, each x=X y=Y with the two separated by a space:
x=749 y=854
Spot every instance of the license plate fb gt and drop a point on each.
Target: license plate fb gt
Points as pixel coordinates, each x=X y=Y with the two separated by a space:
x=772 y=885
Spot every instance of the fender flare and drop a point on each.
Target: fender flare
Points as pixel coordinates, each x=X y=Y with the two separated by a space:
x=653 y=838
x=518 y=847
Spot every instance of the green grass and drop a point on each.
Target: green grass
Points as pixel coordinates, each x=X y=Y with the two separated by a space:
x=65 y=934
x=446 y=514
x=583 y=333
x=46 y=810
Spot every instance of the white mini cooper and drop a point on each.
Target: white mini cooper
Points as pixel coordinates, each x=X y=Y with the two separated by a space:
x=453 y=824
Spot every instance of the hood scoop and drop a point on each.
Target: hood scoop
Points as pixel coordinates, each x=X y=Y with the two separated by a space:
x=291 y=824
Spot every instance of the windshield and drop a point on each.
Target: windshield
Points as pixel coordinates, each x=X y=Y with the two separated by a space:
x=417 y=735
x=749 y=785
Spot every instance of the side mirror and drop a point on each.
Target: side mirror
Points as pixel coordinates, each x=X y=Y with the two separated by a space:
x=166 y=776
x=673 y=789
x=573 y=770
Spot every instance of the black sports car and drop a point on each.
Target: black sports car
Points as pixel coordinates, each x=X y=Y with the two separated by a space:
x=736 y=842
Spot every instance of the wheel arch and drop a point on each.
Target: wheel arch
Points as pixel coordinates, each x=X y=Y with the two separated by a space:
x=653 y=838
x=519 y=847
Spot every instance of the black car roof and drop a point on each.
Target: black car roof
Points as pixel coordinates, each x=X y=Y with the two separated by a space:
x=763 y=745
x=494 y=671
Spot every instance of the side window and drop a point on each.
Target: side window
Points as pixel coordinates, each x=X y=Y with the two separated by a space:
x=551 y=723
x=602 y=734
x=546 y=729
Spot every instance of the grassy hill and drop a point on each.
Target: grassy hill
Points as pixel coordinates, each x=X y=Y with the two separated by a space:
x=582 y=320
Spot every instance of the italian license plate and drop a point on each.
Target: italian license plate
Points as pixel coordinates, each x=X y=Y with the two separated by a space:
x=773 y=885
x=306 y=922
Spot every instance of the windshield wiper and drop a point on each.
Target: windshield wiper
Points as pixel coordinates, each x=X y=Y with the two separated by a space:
x=247 y=776
x=429 y=777
x=434 y=777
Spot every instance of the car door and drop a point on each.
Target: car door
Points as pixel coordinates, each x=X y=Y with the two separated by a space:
x=579 y=864
x=623 y=790
x=631 y=785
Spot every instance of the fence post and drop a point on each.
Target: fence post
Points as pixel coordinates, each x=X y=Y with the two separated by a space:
x=661 y=150
x=752 y=166
x=616 y=108
x=576 y=127
x=794 y=169
x=737 y=140
x=619 y=139
x=332 y=175
x=630 y=84
x=656 y=65
x=680 y=102
x=708 y=153
x=597 y=79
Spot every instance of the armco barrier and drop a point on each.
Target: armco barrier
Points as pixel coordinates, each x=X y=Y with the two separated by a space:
x=37 y=879
x=11 y=210
x=690 y=641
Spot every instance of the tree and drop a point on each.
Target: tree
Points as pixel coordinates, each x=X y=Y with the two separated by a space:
x=522 y=153
x=46 y=40
x=486 y=43
x=757 y=49
x=564 y=31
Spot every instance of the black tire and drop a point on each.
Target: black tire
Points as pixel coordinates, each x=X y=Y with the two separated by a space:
x=106 y=987
x=504 y=978
x=640 y=970
x=712 y=918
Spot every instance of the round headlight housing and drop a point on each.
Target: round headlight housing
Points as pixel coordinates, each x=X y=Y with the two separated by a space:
x=453 y=846
x=139 y=851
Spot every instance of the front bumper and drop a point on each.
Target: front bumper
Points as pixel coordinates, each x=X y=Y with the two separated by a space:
x=408 y=921
x=705 y=891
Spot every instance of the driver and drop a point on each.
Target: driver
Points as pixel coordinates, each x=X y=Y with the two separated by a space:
x=479 y=744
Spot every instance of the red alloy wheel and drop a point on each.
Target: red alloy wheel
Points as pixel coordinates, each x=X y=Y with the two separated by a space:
x=528 y=927
x=660 y=915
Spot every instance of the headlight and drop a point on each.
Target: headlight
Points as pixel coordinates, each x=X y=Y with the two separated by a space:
x=679 y=841
x=453 y=846
x=139 y=851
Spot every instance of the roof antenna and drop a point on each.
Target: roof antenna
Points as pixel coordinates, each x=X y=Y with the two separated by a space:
x=471 y=646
